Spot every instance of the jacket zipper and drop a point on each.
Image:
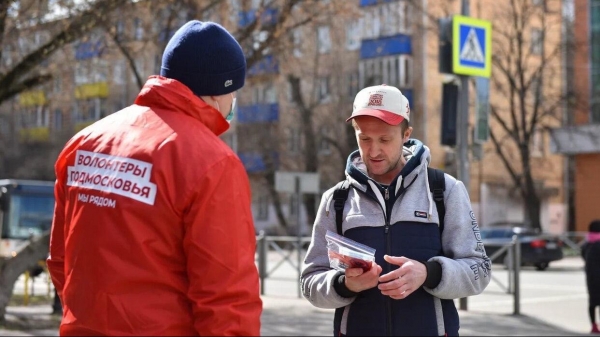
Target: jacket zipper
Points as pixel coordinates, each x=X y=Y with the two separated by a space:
x=388 y=242
x=388 y=248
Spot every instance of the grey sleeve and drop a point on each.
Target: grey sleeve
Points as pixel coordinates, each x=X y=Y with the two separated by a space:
x=318 y=278
x=466 y=268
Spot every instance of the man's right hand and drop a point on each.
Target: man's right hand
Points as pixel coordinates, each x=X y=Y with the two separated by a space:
x=357 y=280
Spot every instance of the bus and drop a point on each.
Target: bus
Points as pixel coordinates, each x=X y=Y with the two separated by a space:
x=26 y=211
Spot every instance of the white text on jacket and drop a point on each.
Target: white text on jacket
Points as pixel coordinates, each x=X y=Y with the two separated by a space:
x=120 y=175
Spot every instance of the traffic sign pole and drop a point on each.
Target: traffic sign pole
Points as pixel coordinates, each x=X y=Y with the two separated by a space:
x=462 y=129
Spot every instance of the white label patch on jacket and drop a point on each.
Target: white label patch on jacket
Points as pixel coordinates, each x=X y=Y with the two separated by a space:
x=119 y=175
x=421 y=214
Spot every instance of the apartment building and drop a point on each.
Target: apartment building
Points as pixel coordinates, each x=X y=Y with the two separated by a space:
x=328 y=60
x=579 y=139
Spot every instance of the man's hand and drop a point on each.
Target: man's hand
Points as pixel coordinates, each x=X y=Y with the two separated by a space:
x=401 y=282
x=357 y=280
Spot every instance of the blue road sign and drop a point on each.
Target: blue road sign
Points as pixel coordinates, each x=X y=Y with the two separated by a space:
x=472 y=46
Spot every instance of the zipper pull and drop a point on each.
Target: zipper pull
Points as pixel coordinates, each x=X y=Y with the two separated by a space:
x=387 y=228
x=387 y=193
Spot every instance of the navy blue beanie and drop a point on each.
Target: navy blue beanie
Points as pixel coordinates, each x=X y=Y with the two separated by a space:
x=206 y=58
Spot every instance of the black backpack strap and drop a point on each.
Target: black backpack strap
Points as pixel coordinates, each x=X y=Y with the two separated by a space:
x=340 y=194
x=437 y=186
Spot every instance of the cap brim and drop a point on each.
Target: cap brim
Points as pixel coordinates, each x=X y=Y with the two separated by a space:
x=386 y=116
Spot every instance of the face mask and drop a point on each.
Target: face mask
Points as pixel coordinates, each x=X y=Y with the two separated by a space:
x=231 y=113
x=229 y=116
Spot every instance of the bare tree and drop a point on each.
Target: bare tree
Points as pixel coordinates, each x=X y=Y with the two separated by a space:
x=525 y=68
x=26 y=74
x=22 y=75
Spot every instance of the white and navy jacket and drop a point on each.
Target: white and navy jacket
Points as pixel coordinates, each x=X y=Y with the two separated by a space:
x=399 y=220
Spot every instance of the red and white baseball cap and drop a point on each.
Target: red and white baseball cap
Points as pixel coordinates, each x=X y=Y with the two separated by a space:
x=382 y=101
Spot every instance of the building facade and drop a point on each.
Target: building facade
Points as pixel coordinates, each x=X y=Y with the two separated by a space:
x=579 y=139
x=292 y=111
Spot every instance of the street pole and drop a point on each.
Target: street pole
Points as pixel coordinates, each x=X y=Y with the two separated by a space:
x=299 y=230
x=462 y=130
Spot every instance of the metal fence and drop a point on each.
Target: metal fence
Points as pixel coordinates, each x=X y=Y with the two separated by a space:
x=286 y=246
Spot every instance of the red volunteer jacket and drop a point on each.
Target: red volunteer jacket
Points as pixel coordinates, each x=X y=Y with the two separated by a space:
x=152 y=231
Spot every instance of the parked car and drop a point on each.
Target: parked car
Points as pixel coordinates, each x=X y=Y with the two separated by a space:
x=537 y=249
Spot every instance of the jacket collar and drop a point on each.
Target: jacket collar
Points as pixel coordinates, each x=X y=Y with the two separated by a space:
x=170 y=94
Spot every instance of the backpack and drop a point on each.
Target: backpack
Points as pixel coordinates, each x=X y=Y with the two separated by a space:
x=437 y=186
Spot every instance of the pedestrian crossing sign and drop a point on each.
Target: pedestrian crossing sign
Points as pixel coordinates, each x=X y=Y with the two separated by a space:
x=471 y=46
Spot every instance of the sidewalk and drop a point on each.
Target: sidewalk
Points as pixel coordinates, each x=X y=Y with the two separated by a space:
x=285 y=316
x=296 y=317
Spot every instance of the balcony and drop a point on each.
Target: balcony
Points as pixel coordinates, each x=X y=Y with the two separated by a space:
x=32 y=98
x=390 y=45
x=268 y=65
x=91 y=90
x=34 y=134
x=268 y=17
x=254 y=163
x=88 y=50
x=258 y=113
x=365 y=3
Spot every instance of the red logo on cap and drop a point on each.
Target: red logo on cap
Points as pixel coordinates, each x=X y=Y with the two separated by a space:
x=376 y=100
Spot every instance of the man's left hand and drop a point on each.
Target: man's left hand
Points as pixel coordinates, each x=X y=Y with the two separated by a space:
x=401 y=282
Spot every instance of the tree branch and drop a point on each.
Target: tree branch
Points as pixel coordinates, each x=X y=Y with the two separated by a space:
x=75 y=28
x=25 y=85
x=504 y=158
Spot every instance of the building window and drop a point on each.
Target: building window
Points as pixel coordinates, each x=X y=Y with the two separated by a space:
x=353 y=35
x=270 y=93
x=99 y=70
x=324 y=144
x=81 y=73
x=404 y=71
x=90 y=110
x=57 y=85
x=36 y=116
x=7 y=55
x=297 y=42
x=403 y=21
x=138 y=29
x=539 y=3
x=118 y=72
x=323 y=89
x=537 y=143
x=352 y=84
x=294 y=139
x=263 y=208
x=393 y=70
x=389 y=17
x=324 y=39
x=377 y=21
x=537 y=41
x=57 y=119
x=120 y=29
x=257 y=94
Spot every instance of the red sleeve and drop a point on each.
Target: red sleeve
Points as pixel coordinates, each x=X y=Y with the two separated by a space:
x=220 y=246
x=56 y=260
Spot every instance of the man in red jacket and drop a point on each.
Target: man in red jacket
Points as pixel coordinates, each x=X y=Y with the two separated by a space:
x=153 y=231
